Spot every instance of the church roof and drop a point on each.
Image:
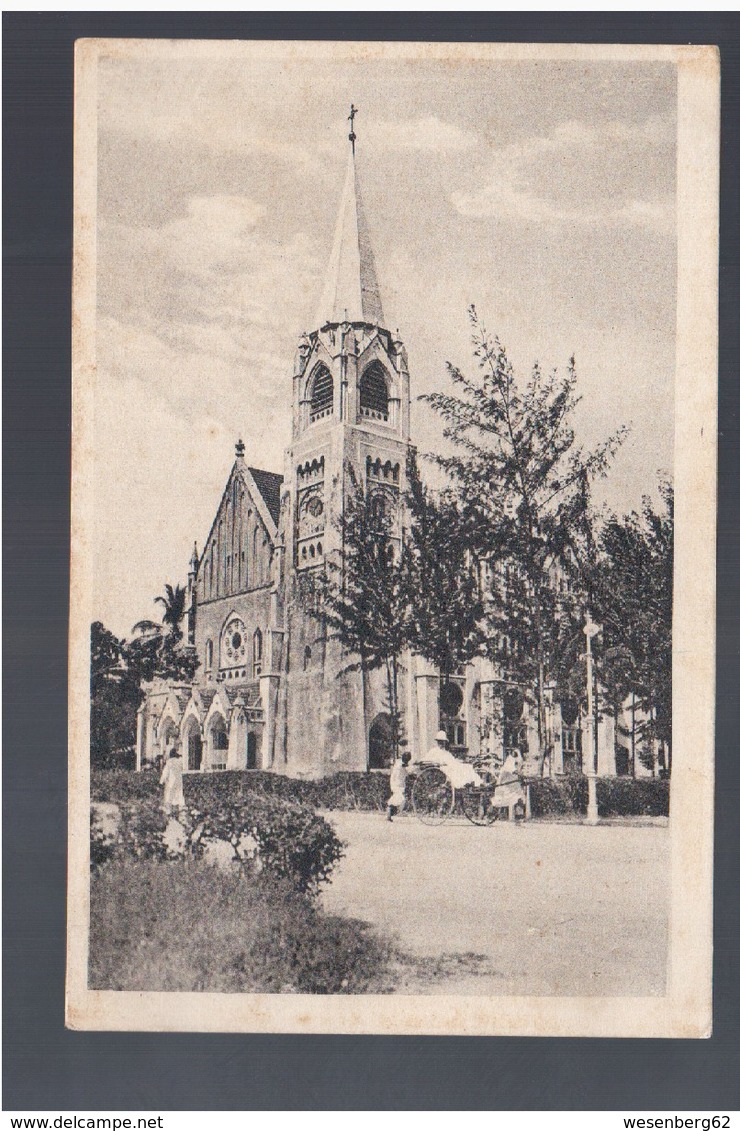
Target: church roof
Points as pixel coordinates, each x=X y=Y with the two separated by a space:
x=269 y=484
x=351 y=291
x=207 y=695
x=249 y=693
x=182 y=694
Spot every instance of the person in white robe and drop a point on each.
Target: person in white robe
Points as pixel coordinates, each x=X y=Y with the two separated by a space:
x=509 y=788
x=173 y=800
x=399 y=775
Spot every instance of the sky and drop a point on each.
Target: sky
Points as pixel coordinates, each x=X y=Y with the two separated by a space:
x=541 y=191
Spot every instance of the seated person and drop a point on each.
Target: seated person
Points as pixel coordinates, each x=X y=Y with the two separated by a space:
x=458 y=773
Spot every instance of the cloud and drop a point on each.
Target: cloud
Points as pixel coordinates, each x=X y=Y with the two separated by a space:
x=197 y=323
x=210 y=281
x=428 y=134
x=578 y=174
x=216 y=127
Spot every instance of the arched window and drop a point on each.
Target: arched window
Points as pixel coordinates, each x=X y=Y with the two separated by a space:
x=220 y=571
x=219 y=744
x=306 y=657
x=380 y=743
x=257 y=654
x=379 y=511
x=322 y=393
x=374 y=392
x=209 y=655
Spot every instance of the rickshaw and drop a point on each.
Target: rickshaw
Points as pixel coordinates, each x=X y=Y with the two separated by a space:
x=434 y=798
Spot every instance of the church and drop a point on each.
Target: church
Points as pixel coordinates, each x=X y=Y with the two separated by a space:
x=271 y=693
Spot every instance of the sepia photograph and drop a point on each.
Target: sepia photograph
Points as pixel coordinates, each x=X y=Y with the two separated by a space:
x=391 y=688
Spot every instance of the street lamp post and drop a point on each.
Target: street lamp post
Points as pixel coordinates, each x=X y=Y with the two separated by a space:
x=590 y=629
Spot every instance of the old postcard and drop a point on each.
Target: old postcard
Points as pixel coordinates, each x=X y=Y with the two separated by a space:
x=392 y=629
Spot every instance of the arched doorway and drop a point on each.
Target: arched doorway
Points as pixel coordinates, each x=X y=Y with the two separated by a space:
x=451 y=700
x=193 y=744
x=380 y=743
x=571 y=736
x=218 y=744
x=515 y=725
x=251 y=750
x=169 y=736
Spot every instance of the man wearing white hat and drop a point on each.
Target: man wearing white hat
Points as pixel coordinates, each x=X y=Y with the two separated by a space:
x=458 y=773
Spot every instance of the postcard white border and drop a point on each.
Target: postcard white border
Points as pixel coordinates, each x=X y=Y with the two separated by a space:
x=686 y=1009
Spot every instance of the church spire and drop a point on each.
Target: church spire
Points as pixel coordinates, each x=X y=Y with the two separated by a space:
x=351 y=291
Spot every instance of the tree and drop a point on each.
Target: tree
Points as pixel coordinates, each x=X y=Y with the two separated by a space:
x=633 y=597
x=160 y=657
x=174 y=602
x=364 y=593
x=155 y=650
x=518 y=472
x=118 y=668
x=114 y=700
x=446 y=609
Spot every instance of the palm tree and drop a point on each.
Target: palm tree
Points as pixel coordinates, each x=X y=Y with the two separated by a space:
x=145 y=629
x=174 y=602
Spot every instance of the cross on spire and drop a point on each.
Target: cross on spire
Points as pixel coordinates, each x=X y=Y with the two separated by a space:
x=351 y=120
x=351 y=292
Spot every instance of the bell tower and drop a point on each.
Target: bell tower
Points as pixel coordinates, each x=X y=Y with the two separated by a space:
x=351 y=408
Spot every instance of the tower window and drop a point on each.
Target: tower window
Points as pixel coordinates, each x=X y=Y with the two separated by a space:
x=322 y=393
x=209 y=655
x=374 y=392
x=378 y=511
x=257 y=654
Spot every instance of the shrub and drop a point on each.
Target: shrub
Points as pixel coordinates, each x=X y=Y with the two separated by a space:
x=558 y=797
x=103 y=838
x=136 y=830
x=633 y=797
x=345 y=790
x=293 y=842
x=188 y=925
x=616 y=797
x=349 y=790
x=123 y=785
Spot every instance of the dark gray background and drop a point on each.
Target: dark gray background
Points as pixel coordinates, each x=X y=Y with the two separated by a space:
x=48 y=1067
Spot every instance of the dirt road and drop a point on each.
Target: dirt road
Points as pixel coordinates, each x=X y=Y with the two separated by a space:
x=534 y=909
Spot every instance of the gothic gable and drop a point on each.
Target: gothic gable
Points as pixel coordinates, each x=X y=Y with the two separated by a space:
x=239 y=547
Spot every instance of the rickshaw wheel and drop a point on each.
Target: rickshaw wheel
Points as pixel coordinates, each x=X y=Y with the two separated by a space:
x=477 y=804
x=433 y=797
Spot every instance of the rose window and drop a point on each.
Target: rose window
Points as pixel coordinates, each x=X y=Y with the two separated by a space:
x=235 y=648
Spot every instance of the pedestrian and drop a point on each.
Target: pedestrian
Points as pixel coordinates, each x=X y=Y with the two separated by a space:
x=509 y=789
x=399 y=774
x=173 y=801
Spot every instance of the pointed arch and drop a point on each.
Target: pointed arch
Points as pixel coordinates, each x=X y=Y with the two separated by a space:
x=374 y=385
x=321 y=392
x=257 y=653
x=217 y=741
x=191 y=732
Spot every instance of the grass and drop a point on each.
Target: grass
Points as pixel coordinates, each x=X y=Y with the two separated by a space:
x=189 y=925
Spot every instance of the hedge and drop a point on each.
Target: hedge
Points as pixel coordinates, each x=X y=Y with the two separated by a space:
x=346 y=790
x=616 y=797
x=558 y=796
